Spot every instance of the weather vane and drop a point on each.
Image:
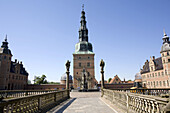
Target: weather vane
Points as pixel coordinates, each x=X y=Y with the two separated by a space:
x=6 y=38
x=83 y=7
x=164 y=32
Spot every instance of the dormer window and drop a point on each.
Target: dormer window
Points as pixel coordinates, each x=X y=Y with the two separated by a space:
x=167 y=53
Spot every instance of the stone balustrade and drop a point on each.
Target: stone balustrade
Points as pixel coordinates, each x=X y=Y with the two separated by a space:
x=34 y=103
x=22 y=93
x=140 y=103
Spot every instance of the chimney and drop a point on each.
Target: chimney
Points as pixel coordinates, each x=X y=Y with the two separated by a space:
x=20 y=62
x=15 y=60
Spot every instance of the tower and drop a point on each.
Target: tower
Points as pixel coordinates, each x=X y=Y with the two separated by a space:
x=5 y=63
x=165 y=54
x=83 y=58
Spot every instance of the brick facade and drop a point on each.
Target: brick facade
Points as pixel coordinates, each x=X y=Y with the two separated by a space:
x=13 y=75
x=81 y=61
x=156 y=72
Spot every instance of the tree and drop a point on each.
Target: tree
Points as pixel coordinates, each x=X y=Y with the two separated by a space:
x=29 y=81
x=109 y=80
x=129 y=80
x=40 y=80
x=53 y=82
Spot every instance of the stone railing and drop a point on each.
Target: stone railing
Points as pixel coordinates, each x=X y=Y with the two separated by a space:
x=34 y=103
x=153 y=92
x=133 y=102
x=22 y=93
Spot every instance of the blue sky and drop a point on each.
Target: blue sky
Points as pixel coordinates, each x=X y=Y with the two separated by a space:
x=43 y=33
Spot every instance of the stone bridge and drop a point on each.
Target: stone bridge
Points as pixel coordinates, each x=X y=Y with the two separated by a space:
x=107 y=101
x=84 y=102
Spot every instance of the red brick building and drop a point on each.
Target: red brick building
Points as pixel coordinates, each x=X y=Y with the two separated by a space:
x=13 y=75
x=83 y=59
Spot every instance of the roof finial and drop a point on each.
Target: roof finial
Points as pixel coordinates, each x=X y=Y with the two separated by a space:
x=164 y=32
x=83 y=7
x=6 y=38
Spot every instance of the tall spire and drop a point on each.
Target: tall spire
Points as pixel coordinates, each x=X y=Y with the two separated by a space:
x=5 y=43
x=165 y=38
x=83 y=31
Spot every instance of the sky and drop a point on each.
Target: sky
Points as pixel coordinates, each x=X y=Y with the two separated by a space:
x=124 y=33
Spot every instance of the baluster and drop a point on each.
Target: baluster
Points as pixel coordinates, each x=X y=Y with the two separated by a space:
x=149 y=106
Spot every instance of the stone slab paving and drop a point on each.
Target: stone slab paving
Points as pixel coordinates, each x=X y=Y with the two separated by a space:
x=85 y=102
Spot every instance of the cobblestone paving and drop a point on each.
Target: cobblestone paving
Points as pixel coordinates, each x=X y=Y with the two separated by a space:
x=85 y=102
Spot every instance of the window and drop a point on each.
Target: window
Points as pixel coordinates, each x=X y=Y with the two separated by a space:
x=9 y=58
x=158 y=73
x=165 y=72
x=88 y=64
x=79 y=57
x=163 y=83
x=163 y=61
x=157 y=83
x=13 y=77
x=155 y=74
x=162 y=54
x=160 y=83
x=149 y=83
x=77 y=72
x=167 y=53
x=16 y=77
x=168 y=60
x=151 y=68
x=152 y=74
x=88 y=57
x=154 y=83
x=4 y=57
x=79 y=64
x=162 y=73
x=148 y=75
x=167 y=83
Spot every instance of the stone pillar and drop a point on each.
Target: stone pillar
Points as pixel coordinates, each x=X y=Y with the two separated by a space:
x=67 y=80
x=102 y=64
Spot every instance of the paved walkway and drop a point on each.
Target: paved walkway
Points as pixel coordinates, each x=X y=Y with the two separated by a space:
x=84 y=102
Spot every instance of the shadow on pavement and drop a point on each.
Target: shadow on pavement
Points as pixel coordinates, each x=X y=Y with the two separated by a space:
x=65 y=106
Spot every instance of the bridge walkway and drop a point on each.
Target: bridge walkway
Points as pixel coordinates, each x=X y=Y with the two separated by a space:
x=84 y=102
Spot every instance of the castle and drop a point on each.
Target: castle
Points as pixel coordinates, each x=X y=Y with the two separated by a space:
x=156 y=71
x=13 y=75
